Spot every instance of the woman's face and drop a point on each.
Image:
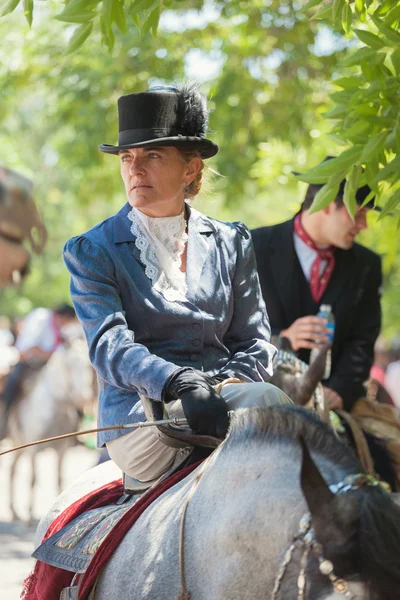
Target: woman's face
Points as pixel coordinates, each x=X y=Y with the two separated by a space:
x=155 y=179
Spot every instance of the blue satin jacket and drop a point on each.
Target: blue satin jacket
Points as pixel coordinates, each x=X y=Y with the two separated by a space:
x=137 y=338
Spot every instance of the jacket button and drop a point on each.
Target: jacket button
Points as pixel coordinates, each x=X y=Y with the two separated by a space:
x=194 y=357
x=196 y=326
x=196 y=343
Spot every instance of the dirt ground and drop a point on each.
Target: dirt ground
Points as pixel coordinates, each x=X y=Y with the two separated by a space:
x=16 y=539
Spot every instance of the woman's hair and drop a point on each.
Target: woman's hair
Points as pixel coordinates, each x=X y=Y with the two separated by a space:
x=195 y=186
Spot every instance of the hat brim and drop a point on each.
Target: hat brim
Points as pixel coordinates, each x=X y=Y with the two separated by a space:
x=207 y=148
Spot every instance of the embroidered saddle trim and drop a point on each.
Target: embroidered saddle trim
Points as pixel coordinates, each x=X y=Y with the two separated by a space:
x=73 y=547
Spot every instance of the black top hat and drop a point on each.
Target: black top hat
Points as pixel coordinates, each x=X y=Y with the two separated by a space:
x=361 y=193
x=163 y=117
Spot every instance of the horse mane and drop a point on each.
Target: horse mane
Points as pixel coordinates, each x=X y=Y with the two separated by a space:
x=283 y=424
x=379 y=543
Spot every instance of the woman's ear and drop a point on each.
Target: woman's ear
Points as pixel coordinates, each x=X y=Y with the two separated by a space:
x=193 y=167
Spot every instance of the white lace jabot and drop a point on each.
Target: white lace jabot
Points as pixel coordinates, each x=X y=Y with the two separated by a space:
x=161 y=243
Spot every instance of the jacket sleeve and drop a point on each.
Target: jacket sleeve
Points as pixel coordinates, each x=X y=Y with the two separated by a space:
x=112 y=349
x=353 y=365
x=249 y=332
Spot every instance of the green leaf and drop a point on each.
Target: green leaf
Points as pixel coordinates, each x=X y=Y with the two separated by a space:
x=9 y=7
x=337 y=8
x=79 y=6
x=323 y=197
x=118 y=15
x=347 y=18
x=344 y=96
x=387 y=172
x=374 y=145
x=392 y=16
x=152 y=22
x=348 y=82
x=388 y=32
x=337 y=112
x=322 y=172
x=395 y=58
x=78 y=11
x=107 y=33
x=324 y=11
x=28 y=11
x=80 y=35
x=361 y=10
x=139 y=5
x=106 y=11
x=350 y=189
x=358 y=56
x=357 y=128
x=311 y=4
x=370 y=39
x=135 y=19
x=83 y=17
x=390 y=204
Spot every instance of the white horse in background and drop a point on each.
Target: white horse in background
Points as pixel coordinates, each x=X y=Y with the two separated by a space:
x=51 y=406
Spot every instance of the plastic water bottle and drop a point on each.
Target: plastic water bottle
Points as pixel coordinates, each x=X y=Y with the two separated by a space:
x=325 y=312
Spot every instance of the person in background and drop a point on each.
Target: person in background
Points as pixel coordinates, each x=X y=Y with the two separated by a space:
x=392 y=375
x=40 y=334
x=313 y=259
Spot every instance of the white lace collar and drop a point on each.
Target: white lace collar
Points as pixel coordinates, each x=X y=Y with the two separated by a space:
x=161 y=243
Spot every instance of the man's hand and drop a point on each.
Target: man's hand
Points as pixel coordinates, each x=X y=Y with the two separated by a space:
x=304 y=331
x=333 y=398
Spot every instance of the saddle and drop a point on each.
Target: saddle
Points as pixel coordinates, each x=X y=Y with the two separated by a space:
x=73 y=547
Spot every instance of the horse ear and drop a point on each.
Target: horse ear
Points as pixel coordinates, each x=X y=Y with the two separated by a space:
x=318 y=496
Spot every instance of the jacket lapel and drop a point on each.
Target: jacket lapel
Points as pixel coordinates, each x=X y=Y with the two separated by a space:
x=122 y=230
x=342 y=278
x=200 y=230
x=284 y=267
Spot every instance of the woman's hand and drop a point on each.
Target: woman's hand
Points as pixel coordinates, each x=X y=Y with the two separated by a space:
x=205 y=410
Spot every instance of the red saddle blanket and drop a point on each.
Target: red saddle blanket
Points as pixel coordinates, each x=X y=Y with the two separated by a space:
x=46 y=582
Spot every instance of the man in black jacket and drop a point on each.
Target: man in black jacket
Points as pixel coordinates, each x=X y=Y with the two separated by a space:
x=311 y=260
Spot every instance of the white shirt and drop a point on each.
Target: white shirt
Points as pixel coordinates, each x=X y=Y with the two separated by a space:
x=38 y=330
x=306 y=256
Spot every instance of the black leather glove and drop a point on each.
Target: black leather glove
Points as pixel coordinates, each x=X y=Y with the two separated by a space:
x=205 y=410
x=211 y=379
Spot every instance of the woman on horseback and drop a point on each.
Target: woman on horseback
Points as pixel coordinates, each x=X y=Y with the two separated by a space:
x=169 y=299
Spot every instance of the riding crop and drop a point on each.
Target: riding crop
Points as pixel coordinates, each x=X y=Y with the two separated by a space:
x=173 y=421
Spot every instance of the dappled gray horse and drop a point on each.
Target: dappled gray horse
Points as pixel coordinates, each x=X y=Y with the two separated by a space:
x=275 y=466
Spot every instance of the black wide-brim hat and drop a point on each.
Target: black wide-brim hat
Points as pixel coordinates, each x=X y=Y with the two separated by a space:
x=165 y=117
x=361 y=194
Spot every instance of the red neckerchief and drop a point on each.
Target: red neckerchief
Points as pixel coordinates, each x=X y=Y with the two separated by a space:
x=318 y=282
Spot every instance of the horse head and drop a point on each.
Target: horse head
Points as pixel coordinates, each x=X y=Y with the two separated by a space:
x=19 y=222
x=357 y=532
